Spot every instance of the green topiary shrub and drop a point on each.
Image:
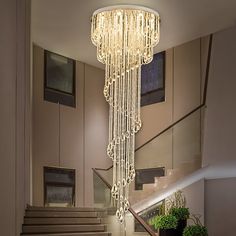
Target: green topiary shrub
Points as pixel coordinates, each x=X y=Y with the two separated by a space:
x=180 y=213
x=195 y=230
x=164 y=222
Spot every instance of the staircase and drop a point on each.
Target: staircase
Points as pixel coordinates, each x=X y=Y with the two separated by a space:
x=60 y=221
x=161 y=183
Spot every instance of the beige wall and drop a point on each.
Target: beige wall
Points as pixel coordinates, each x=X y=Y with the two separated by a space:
x=158 y=116
x=185 y=76
x=70 y=137
x=14 y=103
x=184 y=84
x=195 y=198
x=45 y=148
x=158 y=153
x=187 y=140
x=83 y=130
x=220 y=134
x=220 y=128
x=96 y=127
x=220 y=207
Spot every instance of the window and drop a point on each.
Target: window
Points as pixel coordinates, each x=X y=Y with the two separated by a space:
x=153 y=80
x=59 y=79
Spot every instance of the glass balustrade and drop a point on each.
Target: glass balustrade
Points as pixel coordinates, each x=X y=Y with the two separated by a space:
x=168 y=157
x=161 y=162
x=103 y=201
x=131 y=226
x=102 y=193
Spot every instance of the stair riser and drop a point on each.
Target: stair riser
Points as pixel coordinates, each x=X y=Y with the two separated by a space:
x=60 y=214
x=63 y=221
x=63 y=228
x=69 y=209
x=71 y=234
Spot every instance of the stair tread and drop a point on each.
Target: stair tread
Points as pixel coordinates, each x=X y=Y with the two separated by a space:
x=62 y=220
x=60 y=214
x=69 y=234
x=64 y=209
x=62 y=228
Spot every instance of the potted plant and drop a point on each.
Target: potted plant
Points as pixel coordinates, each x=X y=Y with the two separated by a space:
x=181 y=214
x=166 y=224
x=176 y=206
x=197 y=229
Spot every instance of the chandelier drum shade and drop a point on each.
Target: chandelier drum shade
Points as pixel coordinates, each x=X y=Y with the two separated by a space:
x=125 y=36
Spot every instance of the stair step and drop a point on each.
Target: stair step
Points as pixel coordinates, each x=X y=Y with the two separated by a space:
x=171 y=172
x=83 y=214
x=149 y=187
x=71 y=234
x=63 y=221
x=35 y=208
x=62 y=228
x=162 y=182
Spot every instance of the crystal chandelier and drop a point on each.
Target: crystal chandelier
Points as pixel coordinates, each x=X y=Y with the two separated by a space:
x=125 y=36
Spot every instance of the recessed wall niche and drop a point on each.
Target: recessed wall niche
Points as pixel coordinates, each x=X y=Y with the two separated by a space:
x=59 y=79
x=59 y=187
x=153 y=80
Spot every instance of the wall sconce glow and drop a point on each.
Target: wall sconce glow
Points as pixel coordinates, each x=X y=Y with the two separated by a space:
x=125 y=36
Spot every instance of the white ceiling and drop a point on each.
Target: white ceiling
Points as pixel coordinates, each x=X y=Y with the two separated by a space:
x=63 y=26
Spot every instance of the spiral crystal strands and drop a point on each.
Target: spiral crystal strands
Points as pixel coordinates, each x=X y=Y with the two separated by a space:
x=125 y=37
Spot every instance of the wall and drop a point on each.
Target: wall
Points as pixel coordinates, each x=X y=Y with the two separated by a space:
x=220 y=129
x=185 y=78
x=183 y=87
x=70 y=137
x=14 y=103
x=83 y=131
x=157 y=116
x=195 y=197
x=220 y=195
x=187 y=86
x=96 y=127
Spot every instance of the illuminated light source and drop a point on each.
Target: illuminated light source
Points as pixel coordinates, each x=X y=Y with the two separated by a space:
x=125 y=36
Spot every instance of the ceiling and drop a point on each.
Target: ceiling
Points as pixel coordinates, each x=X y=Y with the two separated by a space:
x=63 y=26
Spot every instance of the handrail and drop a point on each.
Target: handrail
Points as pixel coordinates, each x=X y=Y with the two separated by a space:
x=103 y=168
x=207 y=69
x=105 y=182
x=135 y=215
x=171 y=126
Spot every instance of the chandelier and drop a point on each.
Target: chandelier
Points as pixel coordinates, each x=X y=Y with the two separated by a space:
x=125 y=36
